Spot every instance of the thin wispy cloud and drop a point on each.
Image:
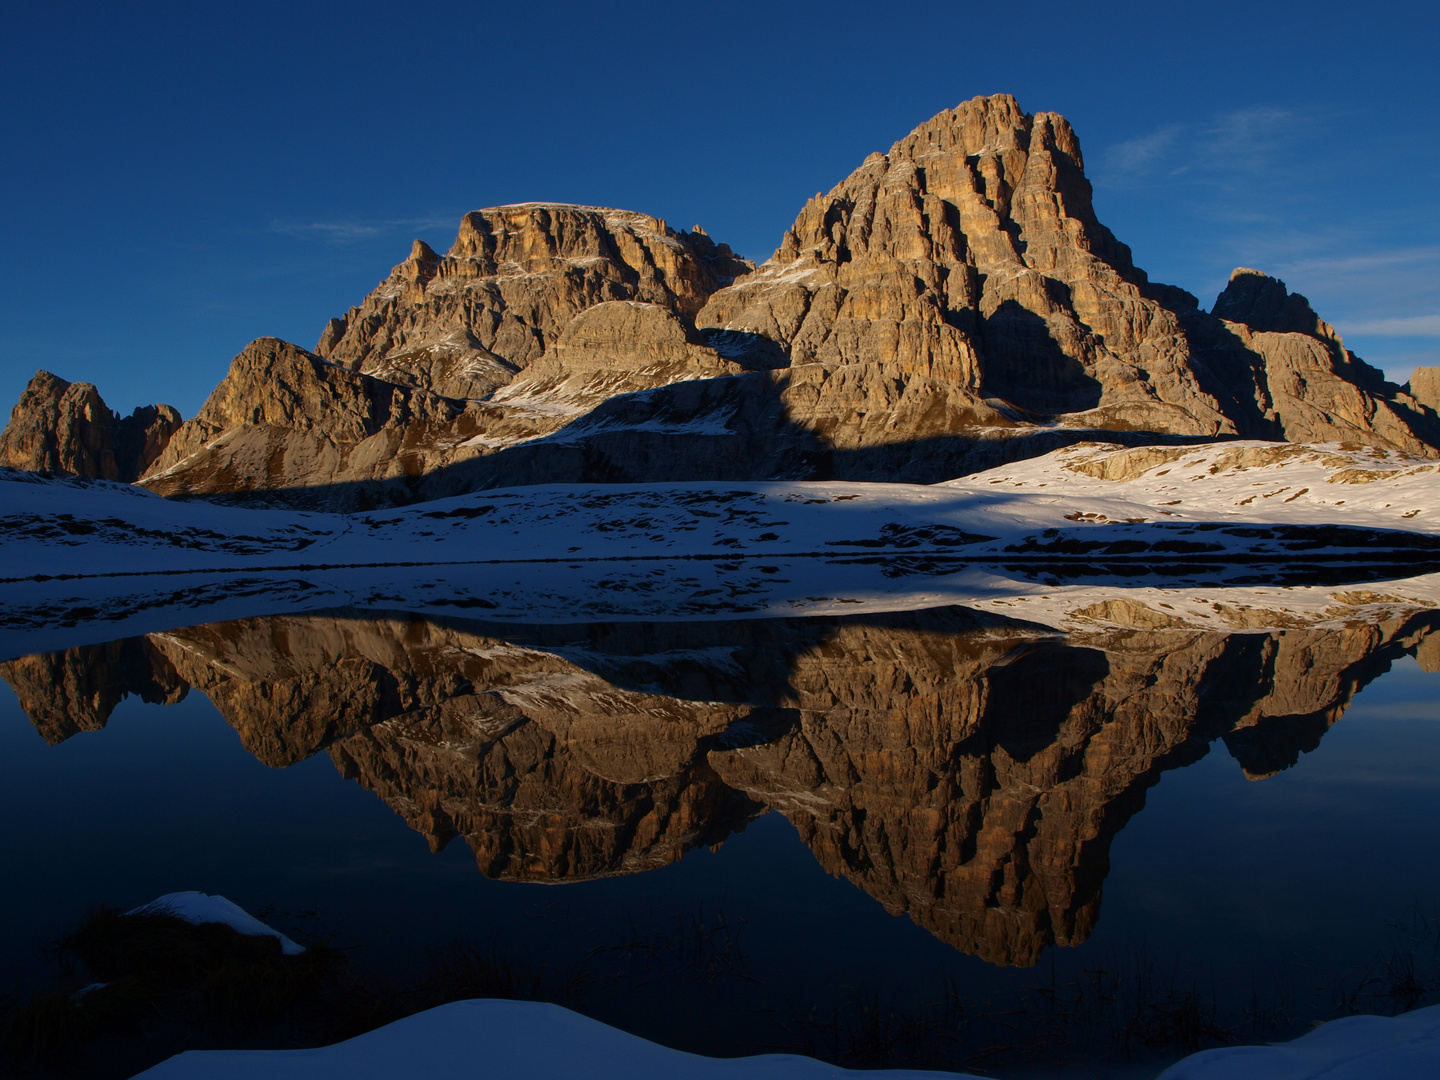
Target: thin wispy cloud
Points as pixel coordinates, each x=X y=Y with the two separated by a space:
x=1250 y=138
x=351 y=232
x=1407 y=326
x=1369 y=290
x=1407 y=259
x=1143 y=153
x=1225 y=148
x=1263 y=186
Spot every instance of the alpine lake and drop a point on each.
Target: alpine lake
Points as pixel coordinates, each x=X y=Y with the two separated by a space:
x=937 y=838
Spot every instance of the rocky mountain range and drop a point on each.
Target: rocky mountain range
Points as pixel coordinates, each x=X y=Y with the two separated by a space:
x=951 y=305
x=965 y=768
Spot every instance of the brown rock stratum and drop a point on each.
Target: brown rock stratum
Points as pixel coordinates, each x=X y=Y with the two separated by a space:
x=952 y=304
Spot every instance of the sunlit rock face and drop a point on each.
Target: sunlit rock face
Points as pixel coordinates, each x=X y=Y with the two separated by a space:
x=462 y=324
x=952 y=305
x=67 y=429
x=962 y=281
x=964 y=769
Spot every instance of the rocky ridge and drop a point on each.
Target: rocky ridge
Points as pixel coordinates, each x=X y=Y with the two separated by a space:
x=952 y=305
x=287 y=426
x=464 y=323
x=284 y=421
x=962 y=768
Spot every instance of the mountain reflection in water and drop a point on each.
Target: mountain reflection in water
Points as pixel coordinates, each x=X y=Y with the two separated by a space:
x=967 y=770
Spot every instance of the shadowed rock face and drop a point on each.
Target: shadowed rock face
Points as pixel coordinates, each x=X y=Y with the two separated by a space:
x=66 y=428
x=963 y=769
x=1264 y=305
x=1301 y=379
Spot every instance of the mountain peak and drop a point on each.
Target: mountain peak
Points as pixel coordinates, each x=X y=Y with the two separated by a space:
x=1264 y=304
x=951 y=304
x=465 y=323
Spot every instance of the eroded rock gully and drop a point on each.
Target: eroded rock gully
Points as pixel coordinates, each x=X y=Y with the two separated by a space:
x=963 y=769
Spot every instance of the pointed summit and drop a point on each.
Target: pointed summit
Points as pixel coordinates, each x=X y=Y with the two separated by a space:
x=1264 y=304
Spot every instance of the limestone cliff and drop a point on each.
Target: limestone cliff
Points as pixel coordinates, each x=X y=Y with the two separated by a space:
x=951 y=305
x=66 y=428
x=285 y=423
x=462 y=324
x=964 y=274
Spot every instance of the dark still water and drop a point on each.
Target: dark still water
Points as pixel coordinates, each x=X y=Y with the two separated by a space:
x=928 y=838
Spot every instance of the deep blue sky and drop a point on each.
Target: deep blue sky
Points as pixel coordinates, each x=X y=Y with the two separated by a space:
x=181 y=178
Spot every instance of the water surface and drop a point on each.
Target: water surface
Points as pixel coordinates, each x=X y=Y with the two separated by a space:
x=935 y=837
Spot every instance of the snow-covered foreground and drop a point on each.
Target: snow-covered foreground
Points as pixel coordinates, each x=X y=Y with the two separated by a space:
x=501 y=1040
x=1227 y=535
x=527 y=1040
x=1353 y=1048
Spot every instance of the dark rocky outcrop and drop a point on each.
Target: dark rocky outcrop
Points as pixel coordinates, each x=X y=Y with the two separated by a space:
x=1291 y=374
x=66 y=428
x=1265 y=305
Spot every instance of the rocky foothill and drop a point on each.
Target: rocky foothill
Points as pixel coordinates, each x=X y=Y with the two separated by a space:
x=67 y=429
x=951 y=305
